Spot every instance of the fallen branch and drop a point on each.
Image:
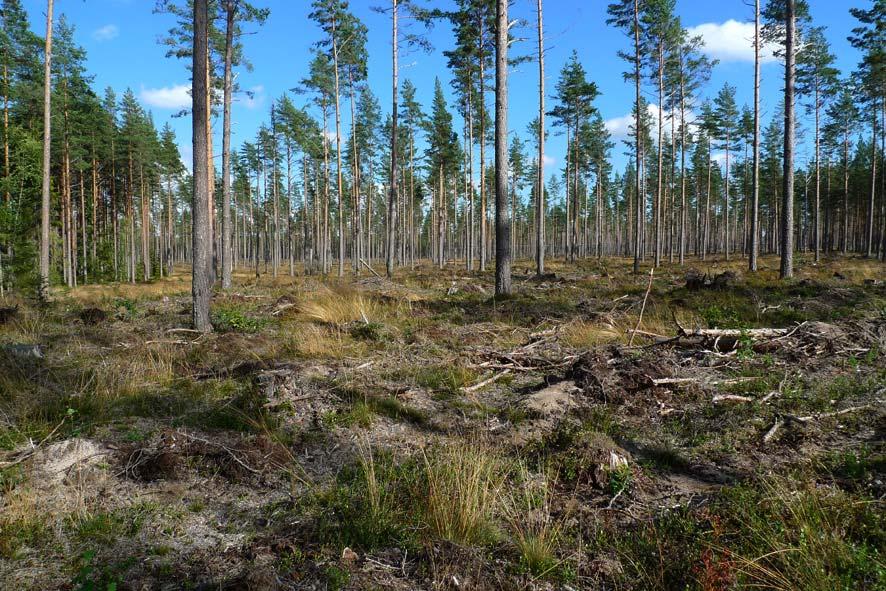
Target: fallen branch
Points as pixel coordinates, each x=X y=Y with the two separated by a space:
x=229 y=451
x=33 y=450
x=365 y=264
x=772 y=431
x=753 y=333
x=281 y=308
x=486 y=382
x=809 y=418
x=731 y=398
x=727 y=382
x=837 y=413
x=642 y=308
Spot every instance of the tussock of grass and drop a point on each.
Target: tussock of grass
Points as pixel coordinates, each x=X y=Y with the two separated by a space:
x=535 y=532
x=587 y=334
x=340 y=307
x=463 y=485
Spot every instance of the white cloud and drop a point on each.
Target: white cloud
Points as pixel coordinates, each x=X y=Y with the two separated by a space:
x=550 y=161
x=732 y=41
x=620 y=127
x=168 y=97
x=106 y=33
x=254 y=97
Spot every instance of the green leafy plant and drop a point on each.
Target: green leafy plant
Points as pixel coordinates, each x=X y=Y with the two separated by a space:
x=92 y=577
x=235 y=320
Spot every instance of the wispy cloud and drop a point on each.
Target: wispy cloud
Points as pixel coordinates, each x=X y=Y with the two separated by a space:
x=106 y=33
x=732 y=41
x=620 y=127
x=177 y=96
x=254 y=97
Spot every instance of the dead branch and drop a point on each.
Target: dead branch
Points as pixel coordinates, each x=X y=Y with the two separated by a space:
x=365 y=264
x=24 y=456
x=224 y=448
x=643 y=307
x=772 y=431
x=486 y=382
x=731 y=398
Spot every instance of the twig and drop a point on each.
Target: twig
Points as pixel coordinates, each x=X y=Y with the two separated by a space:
x=643 y=307
x=225 y=448
x=34 y=449
x=365 y=264
x=731 y=398
x=486 y=382
x=612 y=501
x=772 y=431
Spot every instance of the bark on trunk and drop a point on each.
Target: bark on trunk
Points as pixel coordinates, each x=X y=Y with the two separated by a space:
x=502 y=223
x=787 y=221
x=202 y=234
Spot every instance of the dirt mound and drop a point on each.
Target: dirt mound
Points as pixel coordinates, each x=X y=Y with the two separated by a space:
x=613 y=377
x=58 y=462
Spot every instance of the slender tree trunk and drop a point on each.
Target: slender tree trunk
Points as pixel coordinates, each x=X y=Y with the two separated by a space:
x=540 y=182
x=502 y=224
x=683 y=164
x=639 y=157
x=787 y=221
x=484 y=230
x=227 y=253
x=706 y=229
x=7 y=195
x=817 y=226
x=659 y=172
x=275 y=243
x=726 y=208
x=43 y=289
x=392 y=190
x=202 y=233
x=146 y=226
x=755 y=197
x=869 y=234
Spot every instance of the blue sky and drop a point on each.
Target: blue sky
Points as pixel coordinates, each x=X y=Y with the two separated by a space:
x=121 y=39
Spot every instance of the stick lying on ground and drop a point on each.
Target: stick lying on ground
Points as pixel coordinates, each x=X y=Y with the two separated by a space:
x=770 y=434
x=486 y=382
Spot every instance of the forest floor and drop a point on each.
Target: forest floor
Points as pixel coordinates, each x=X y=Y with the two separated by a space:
x=419 y=434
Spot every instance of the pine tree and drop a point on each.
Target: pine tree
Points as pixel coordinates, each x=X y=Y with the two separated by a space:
x=502 y=223
x=726 y=122
x=236 y=13
x=575 y=96
x=870 y=38
x=625 y=14
x=816 y=79
x=202 y=233
x=661 y=36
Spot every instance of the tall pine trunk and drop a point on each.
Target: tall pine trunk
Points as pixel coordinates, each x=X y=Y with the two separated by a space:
x=787 y=219
x=202 y=232
x=540 y=190
x=755 y=197
x=639 y=157
x=502 y=224
x=227 y=254
x=43 y=288
x=392 y=189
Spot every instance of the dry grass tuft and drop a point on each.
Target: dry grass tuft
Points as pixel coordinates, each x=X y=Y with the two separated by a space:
x=463 y=485
x=340 y=307
x=585 y=334
x=536 y=533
